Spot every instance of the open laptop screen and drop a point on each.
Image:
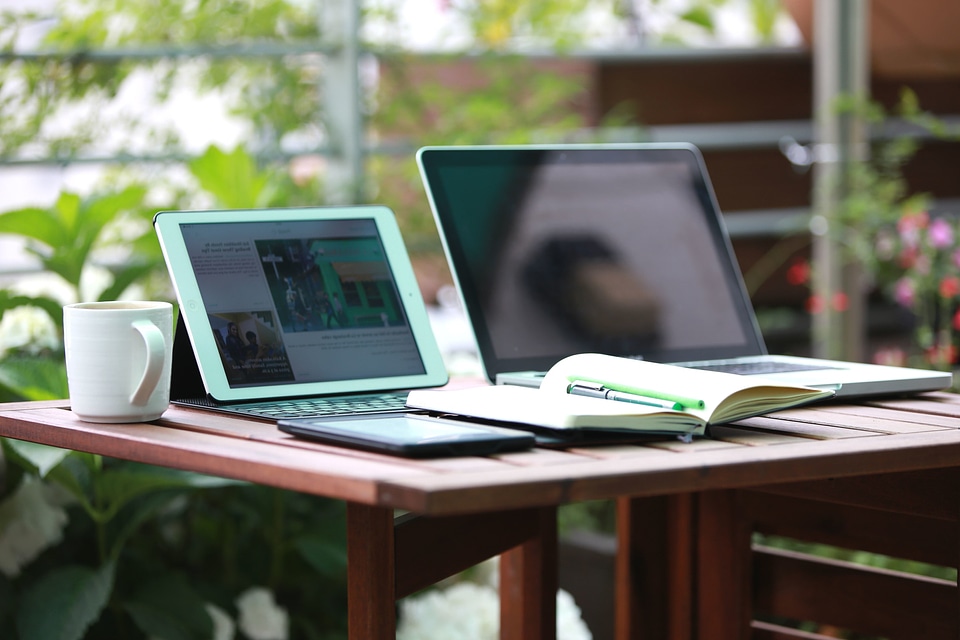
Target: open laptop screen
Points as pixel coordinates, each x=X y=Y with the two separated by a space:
x=610 y=248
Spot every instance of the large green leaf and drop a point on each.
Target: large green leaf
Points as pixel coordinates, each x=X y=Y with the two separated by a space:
x=36 y=378
x=74 y=474
x=36 y=224
x=39 y=458
x=327 y=556
x=230 y=177
x=70 y=229
x=117 y=487
x=63 y=603
x=168 y=608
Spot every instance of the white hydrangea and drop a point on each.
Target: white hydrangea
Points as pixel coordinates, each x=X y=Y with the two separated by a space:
x=570 y=624
x=223 y=626
x=27 y=327
x=260 y=616
x=471 y=611
x=29 y=524
x=463 y=611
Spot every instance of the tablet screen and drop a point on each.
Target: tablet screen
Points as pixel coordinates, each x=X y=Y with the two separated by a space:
x=294 y=301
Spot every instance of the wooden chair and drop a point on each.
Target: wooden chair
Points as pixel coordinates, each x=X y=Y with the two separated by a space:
x=746 y=590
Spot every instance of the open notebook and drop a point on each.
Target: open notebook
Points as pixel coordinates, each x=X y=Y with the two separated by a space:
x=289 y=313
x=619 y=249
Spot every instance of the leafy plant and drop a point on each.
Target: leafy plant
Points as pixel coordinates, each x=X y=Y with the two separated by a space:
x=61 y=590
x=102 y=549
x=67 y=239
x=910 y=253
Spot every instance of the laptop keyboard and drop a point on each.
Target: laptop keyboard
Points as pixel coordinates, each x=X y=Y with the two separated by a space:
x=759 y=368
x=317 y=407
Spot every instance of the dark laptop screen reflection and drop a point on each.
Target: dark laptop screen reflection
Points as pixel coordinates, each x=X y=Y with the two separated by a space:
x=611 y=257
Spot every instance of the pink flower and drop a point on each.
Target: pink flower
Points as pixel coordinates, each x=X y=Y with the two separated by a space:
x=903 y=292
x=949 y=287
x=908 y=257
x=922 y=265
x=940 y=234
x=910 y=225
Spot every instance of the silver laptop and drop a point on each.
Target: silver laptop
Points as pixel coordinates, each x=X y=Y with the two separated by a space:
x=618 y=249
x=290 y=313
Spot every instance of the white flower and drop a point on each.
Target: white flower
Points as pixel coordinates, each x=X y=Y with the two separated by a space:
x=260 y=616
x=29 y=523
x=223 y=627
x=471 y=611
x=464 y=611
x=27 y=327
x=570 y=624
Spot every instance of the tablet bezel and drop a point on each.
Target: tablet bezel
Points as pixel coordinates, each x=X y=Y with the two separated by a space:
x=168 y=226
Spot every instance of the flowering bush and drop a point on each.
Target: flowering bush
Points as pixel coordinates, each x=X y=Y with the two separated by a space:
x=919 y=258
x=910 y=255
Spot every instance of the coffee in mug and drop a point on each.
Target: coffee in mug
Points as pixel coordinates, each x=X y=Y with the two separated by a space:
x=118 y=357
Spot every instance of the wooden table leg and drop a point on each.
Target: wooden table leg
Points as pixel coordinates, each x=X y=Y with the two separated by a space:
x=371 y=577
x=654 y=568
x=528 y=584
x=723 y=567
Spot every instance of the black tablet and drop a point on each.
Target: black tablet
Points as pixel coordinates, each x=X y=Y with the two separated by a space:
x=410 y=435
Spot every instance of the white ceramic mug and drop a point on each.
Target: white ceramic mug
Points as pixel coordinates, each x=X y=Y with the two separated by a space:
x=119 y=356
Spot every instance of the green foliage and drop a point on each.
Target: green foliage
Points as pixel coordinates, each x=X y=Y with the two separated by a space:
x=495 y=23
x=169 y=607
x=888 y=230
x=232 y=178
x=765 y=14
x=41 y=377
x=135 y=532
x=858 y=557
x=65 y=237
x=62 y=604
x=598 y=515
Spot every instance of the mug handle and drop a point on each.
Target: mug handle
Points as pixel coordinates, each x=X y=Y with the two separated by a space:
x=153 y=338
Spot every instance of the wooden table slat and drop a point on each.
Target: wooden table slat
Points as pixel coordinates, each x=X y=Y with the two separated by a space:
x=327 y=474
x=811 y=430
x=893 y=415
x=751 y=437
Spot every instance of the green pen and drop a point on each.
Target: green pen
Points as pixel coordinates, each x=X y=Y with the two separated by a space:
x=685 y=401
x=594 y=390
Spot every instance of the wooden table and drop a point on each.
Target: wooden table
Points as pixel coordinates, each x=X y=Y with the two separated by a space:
x=677 y=503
